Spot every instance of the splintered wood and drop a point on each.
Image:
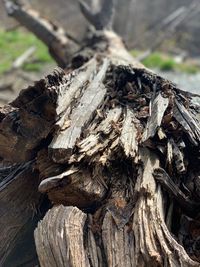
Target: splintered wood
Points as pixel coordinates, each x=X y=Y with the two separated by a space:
x=108 y=141
x=157 y=111
x=63 y=226
x=101 y=149
x=116 y=149
x=89 y=102
x=129 y=135
x=117 y=142
x=17 y=209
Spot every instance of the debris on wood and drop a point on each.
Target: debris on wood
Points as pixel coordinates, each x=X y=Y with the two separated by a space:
x=115 y=147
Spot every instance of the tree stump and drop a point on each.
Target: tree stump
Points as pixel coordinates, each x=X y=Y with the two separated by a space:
x=115 y=148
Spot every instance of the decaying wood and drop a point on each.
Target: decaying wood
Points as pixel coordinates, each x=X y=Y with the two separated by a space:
x=89 y=102
x=115 y=148
x=75 y=189
x=189 y=206
x=157 y=110
x=29 y=119
x=129 y=135
x=17 y=208
x=149 y=223
x=95 y=171
x=59 y=238
x=190 y=126
x=92 y=144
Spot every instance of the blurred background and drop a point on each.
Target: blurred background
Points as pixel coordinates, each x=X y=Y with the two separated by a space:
x=164 y=35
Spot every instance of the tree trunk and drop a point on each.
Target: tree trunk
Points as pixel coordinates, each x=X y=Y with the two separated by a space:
x=116 y=149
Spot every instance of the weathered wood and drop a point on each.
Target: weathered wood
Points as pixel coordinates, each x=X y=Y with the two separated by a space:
x=122 y=240
x=107 y=168
x=19 y=201
x=59 y=238
x=80 y=189
x=93 y=143
x=28 y=120
x=129 y=135
x=95 y=256
x=156 y=112
x=63 y=145
x=190 y=126
x=51 y=182
x=190 y=207
x=77 y=81
x=149 y=224
x=87 y=129
x=178 y=158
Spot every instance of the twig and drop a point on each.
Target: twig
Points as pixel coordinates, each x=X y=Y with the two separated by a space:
x=23 y=58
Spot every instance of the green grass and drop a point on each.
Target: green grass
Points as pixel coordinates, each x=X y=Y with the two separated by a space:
x=158 y=61
x=14 y=43
x=135 y=52
x=166 y=63
x=191 y=69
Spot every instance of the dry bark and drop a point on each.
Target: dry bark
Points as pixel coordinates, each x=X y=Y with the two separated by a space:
x=116 y=150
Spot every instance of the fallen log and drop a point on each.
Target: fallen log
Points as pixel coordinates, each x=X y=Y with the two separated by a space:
x=115 y=147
